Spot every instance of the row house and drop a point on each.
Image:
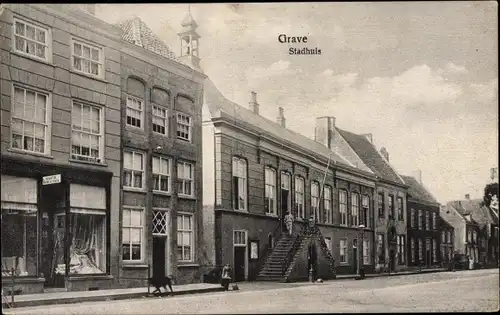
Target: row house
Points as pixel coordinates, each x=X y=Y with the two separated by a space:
x=423 y=219
x=447 y=249
x=390 y=203
x=262 y=171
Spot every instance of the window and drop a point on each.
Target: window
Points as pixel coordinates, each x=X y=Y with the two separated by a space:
x=327 y=204
x=160 y=120
x=87 y=59
x=420 y=250
x=87 y=133
x=400 y=209
x=31 y=40
x=132 y=234
x=315 y=200
x=286 y=198
x=240 y=238
x=184 y=237
x=401 y=249
x=434 y=247
x=365 y=211
x=443 y=237
x=380 y=248
x=183 y=127
x=380 y=202
x=412 y=217
x=185 y=178
x=412 y=250
x=366 y=252
x=343 y=251
x=29 y=123
x=474 y=236
x=434 y=222
x=343 y=207
x=133 y=169
x=135 y=112
x=354 y=209
x=449 y=237
x=160 y=222
x=428 y=220
x=420 y=219
x=391 y=207
x=88 y=242
x=161 y=174
x=328 y=242
x=270 y=183
x=239 y=184
x=299 y=197
x=469 y=236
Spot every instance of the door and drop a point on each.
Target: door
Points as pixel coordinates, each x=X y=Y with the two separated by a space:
x=392 y=260
x=239 y=263
x=313 y=259
x=284 y=207
x=355 y=259
x=159 y=262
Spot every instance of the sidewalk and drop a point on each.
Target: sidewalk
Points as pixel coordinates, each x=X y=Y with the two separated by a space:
x=25 y=300
x=392 y=274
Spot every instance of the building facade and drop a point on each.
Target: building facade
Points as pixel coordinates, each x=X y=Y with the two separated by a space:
x=60 y=148
x=262 y=171
x=390 y=203
x=447 y=240
x=423 y=225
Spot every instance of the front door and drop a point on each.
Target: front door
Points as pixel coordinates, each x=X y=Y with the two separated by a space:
x=159 y=261
x=392 y=260
x=239 y=263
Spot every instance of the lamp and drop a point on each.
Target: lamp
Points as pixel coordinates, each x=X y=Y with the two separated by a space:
x=360 y=274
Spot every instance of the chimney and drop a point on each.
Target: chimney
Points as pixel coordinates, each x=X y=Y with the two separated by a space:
x=254 y=106
x=281 y=118
x=369 y=137
x=418 y=175
x=384 y=153
x=325 y=130
x=467 y=197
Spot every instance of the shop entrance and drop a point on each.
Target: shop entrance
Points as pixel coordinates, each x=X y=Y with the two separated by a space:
x=159 y=256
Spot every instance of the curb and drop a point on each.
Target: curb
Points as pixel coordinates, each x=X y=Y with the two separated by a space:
x=402 y=273
x=100 y=298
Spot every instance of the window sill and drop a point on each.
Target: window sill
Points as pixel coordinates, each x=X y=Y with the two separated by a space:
x=88 y=163
x=241 y=210
x=184 y=140
x=272 y=215
x=160 y=134
x=34 y=58
x=186 y=197
x=127 y=265
x=18 y=151
x=132 y=189
x=187 y=265
x=162 y=193
x=97 y=78
x=134 y=127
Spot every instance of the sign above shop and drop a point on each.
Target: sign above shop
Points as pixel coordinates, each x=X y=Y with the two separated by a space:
x=52 y=179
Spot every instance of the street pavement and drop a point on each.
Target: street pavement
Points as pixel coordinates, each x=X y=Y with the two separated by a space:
x=461 y=291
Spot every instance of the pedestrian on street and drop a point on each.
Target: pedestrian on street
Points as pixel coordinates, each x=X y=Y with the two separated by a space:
x=226 y=278
x=289 y=222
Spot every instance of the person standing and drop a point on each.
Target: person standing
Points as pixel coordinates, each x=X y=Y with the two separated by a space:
x=226 y=278
x=289 y=222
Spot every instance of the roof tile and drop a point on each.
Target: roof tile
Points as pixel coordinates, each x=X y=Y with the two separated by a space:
x=417 y=190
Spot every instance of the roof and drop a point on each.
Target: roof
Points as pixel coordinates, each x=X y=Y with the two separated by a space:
x=220 y=107
x=137 y=32
x=416 y=190
x=371 y=157
x=466 y=207
x=445 y=223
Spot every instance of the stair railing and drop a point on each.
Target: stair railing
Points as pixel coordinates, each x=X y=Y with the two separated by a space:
x=285 y=262
x=267 y=250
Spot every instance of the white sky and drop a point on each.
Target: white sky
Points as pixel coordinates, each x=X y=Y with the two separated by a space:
x=421 y=77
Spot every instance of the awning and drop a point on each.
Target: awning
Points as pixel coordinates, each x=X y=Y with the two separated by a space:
x=83 y=197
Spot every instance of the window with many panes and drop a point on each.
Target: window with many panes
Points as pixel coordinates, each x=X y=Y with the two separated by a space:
x=427 y=221
x=401 y=249
x=184 y=127
x=30 y=121
x=299 y=197
x=400 y=209
x=434 y=247
x=87 y=58
x=327 y=204
x=133 y=169
x=185 y=179
x=160 y=222
x=132 y=234
x=135 y=112
x=87 y=133
x=412 y=217
x=160 y=120
x=315 y=200
x=412 y=250
x=343 y=250
x=239 y=183
x=434 y=221
x=420 y=249
x=343 y=206
x=286 y=195
x=392 y=212
x=365 y=217
x=185 y=241
x=420 y=219
x=354 y=209
x=31 y=39
x=443 y=237
x=270 y=193
x=239 y=238
x=162 y=174
x=380 y=248
x=380 y=204
x=366 y=252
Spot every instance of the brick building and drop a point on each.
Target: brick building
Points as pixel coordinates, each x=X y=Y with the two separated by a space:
x=390 y=202
x=423 y=224
x=447 y=240
x=261 y=171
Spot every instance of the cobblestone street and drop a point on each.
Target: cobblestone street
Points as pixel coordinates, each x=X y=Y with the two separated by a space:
x=464 y=291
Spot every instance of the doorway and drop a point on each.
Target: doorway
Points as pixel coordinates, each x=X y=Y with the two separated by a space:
x=285 y=198
x=239 y=263
x=159 y=256
x=392 y=260
x=355 y=255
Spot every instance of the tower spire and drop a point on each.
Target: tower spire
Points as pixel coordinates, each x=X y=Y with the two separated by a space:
x=189 y=41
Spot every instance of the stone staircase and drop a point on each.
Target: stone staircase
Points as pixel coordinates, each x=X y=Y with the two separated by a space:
x=279 y=259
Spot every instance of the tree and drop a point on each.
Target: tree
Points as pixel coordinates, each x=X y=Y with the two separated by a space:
x=489 y=191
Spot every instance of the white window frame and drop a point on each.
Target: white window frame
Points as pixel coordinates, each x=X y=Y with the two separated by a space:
x=165 y=217
x=355 y=209
x=182 y=178
x=46 y=124
x=420 y=219
x=47 y=45
x=134 y=171
x=99 y=135
x=412 y=249
x=235 y=238
x=137 y=112
x=412 y=217
x=239 y=169
x=188 y=125
x=401 y=208
x=434 y=221
x=138 y=227
x=315 y=200
x=366 y=252
x=391 y=201
x=299 y=197
x=183 y=230
x=343 y=251
x=155 y=110
x=286 y=184
x=327 y=204
x=381 y=205
x=420 y=249
x=270 y=190
x=401 y=249
x=157 y=172
x=434 y=250
x=100 y=62
x=427 y=221
x=365 y=205
x=343 y=206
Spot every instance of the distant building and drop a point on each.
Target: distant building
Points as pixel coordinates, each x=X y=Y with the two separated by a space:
x=447 y=241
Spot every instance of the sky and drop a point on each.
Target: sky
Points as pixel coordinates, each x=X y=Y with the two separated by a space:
x=421 y=77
